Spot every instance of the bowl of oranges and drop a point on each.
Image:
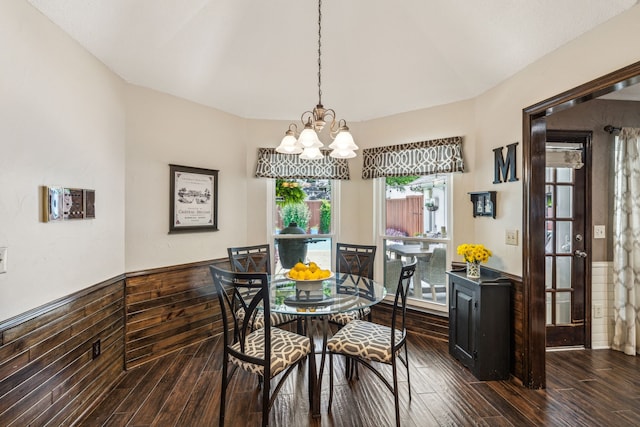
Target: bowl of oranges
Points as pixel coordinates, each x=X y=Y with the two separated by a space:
x=308 y=276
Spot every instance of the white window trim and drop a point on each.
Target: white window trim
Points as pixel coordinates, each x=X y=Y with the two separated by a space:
x=379 y=189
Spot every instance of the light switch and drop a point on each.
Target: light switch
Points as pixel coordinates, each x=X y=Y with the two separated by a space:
x=599 y=232
x=511 y=237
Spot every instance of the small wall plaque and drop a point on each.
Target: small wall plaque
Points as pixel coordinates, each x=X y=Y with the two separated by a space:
x=60 y=204
x=484 y=203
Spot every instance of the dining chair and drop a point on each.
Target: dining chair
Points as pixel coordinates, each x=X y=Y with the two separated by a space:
x=256 y=259
x=356 y=260
x=435 y=271
x=267 y=351
x=367 y=343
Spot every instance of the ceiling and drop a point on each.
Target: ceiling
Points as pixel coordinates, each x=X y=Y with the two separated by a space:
x=259 y=59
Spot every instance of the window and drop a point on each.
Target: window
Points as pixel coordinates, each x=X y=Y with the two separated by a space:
x=416 y=223
x=302 y=228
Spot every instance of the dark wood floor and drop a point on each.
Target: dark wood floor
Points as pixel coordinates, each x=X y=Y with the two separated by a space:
x=584 y=388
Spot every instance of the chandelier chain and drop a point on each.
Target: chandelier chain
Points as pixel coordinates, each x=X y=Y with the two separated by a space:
x=306 y=143
x=319 y=52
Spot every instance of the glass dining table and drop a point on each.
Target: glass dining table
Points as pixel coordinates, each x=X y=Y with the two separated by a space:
x=315 y=302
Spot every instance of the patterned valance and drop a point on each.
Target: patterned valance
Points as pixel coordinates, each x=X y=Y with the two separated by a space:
x=414 y=158
x=272 y=164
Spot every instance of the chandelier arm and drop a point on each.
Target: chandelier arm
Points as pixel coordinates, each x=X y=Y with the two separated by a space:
x=306 y=116
x=336 y=127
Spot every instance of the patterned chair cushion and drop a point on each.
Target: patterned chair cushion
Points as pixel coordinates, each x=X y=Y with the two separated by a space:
x=277 y=319
x=364 y=339
x=348 y=316
x=287 y=348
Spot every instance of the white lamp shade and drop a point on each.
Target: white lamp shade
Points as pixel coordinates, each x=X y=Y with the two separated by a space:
x=344 y=141
x=343 y=154
x=309 y=139
x=289 y=145
x=311 y=153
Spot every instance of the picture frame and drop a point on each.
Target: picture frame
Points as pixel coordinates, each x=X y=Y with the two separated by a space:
x=53 y=204
x=73 y=203
x=89 y=204
x=193 y=204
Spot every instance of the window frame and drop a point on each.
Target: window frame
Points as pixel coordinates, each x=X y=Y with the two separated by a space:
x=272 y=213
x=379 y=198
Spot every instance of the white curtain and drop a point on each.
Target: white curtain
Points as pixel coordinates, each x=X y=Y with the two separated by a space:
x=626 y=245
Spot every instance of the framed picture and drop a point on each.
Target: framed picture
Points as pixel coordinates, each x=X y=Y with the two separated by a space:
x=73 y=203
x=89 y=203
x=53 y=203
x=193 y=199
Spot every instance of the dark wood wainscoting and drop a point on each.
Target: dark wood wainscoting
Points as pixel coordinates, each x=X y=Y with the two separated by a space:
x=168 y=309
x=418 y=321
x=48 y=374
x=47 y=371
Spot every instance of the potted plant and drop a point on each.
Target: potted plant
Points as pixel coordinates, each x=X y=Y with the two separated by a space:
x=296 y=216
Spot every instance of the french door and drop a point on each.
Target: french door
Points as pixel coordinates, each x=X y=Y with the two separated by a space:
x=567 y=241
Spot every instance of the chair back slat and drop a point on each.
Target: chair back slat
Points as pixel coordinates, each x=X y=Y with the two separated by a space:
x=399 y=313
x=252 y=291
x=250 y=259
x=355 y=259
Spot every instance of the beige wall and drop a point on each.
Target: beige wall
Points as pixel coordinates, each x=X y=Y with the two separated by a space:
x=66 y=120
x=62 y=123
x=163 y=130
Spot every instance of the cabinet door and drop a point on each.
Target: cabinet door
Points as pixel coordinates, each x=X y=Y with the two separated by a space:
x=463 y=330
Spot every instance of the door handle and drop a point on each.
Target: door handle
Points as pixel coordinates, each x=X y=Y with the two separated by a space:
x=580 y=253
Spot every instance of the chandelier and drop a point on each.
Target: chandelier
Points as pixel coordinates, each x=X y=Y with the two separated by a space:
x=307 y=143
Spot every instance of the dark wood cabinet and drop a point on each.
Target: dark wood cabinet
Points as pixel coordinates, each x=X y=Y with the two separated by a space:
x=479 y=323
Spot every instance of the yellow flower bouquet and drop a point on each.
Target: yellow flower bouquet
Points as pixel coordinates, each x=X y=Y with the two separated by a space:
x=474 y=253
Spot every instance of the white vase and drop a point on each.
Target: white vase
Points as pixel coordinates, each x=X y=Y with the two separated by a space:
x=473 y=270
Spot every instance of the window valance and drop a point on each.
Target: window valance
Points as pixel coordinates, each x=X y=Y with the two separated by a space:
x=272 y=164
x=414 y=158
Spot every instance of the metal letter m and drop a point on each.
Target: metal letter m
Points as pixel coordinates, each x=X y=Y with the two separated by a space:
x=504 y=167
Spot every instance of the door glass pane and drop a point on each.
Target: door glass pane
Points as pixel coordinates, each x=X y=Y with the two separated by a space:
x=548 y=310
x=549 y=201
x=548 y=276
x=563 y=272
x=548 y=174
x=563 y=307
x=564 y=207
x=548 y=245
x=563 y=237
x=564 y=175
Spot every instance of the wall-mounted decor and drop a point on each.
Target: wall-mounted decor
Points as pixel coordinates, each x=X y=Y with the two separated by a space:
x=73 y=203
x=68 y=203
x=484 y=203
x=89 y=203
x=53 y=203
x=194 y=199
x=503 y=167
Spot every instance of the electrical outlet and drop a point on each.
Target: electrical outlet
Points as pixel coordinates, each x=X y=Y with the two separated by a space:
x=95 y=352
x=3 y=260
x=597 y=311
x=599 y=232
x=511 y=237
